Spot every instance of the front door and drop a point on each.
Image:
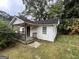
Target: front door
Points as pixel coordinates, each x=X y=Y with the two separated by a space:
x=28 y=31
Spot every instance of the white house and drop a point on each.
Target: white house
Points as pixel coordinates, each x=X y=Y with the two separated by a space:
x=44 y=30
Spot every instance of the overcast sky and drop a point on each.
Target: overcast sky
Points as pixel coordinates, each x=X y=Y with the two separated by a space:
x=13 y=7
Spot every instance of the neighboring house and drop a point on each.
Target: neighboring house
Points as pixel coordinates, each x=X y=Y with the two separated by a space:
x=44 y=30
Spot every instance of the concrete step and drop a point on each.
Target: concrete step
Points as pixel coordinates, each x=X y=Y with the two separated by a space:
x=29 y=40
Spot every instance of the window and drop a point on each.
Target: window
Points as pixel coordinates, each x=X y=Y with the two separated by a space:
x=22 y=30
x=44 y=30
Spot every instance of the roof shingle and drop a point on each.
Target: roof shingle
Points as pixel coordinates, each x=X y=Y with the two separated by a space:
x=50 y=21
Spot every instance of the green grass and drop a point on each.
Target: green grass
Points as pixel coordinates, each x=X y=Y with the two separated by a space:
x=65 y=47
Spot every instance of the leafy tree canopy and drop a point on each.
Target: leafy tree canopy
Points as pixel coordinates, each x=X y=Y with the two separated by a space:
x=71 y=8
x=56 y=10
x=37 y=8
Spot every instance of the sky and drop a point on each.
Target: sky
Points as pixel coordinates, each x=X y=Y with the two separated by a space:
x=13 y=7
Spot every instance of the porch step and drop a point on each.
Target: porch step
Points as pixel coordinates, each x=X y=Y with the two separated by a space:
x=24 y=42
x=29 y=40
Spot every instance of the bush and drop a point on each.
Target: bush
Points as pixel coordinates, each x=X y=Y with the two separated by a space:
x=6 y=35
x=69 y=26
x=6 y=38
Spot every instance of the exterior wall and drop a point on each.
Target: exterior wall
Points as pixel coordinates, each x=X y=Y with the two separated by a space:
x=51 y=33
x=49 y=36
x=18 y=21
x=33 y=30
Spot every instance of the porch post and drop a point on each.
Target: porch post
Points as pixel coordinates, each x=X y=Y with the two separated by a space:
x=25 y=31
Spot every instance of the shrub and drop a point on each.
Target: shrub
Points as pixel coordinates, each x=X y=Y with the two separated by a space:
x=70 y=26
x=6 y=35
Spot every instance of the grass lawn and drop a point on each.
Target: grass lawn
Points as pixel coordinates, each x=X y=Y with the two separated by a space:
x=65 y=47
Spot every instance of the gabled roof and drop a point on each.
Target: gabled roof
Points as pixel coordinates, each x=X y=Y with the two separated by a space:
x=26 y=20
x=41 y=22
x=50 y=21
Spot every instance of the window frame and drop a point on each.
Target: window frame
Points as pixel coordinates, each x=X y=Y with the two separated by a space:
x=44 y=30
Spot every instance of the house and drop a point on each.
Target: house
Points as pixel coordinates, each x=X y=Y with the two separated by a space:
x=44 y=30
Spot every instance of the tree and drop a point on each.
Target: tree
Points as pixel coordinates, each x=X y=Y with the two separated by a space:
x=70 y=22
x=71 y=8
x=56 y=10
x=37 y=8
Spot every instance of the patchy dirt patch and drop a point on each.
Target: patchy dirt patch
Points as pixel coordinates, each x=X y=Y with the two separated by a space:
x=35 y=44
x=37 y=57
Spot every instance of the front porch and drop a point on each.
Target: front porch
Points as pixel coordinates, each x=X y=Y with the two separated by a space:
x=24 y=31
